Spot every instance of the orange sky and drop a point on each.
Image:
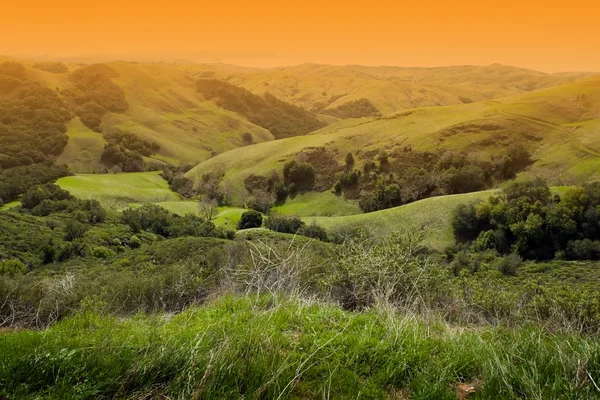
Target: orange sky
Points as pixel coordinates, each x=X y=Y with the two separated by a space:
x=545 y=35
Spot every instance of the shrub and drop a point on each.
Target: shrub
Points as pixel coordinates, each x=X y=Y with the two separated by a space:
x=283 y=224
x=250 y=219
x=102 y=252
x=509 y=264
x=135 y=242
x=314 y=231
x=302 y=175
x=75 y=230
x=12 y=267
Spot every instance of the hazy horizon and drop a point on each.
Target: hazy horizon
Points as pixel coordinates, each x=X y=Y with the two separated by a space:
x=529 y=34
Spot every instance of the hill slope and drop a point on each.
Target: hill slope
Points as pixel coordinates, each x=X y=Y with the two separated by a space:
x=391 y=89
x=559 y=126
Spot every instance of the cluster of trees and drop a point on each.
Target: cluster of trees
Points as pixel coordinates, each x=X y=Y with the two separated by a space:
x=32 y=132
x=353 y=109
x=95 y=94
x=383 y=183
x=124 y=151
x=32 y=127
x=15 y=181
x=53 y=67
x=12 y=76
x=177 y=180
x=157 y=220
x=294 y=225
x=266 y=191
x=526 y=219
x=280 y=118
x=47 y=199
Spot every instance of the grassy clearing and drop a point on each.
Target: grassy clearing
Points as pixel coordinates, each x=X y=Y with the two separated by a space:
x=265 y=347
x=432 y=215
x=117 y=191
x=312 y=204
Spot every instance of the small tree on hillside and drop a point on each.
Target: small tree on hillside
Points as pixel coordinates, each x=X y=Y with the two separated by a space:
x=208 y=208
x=349 y=160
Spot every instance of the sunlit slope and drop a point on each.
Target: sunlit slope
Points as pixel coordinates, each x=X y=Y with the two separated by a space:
x=392 y=89
x=559 y=126
x=83 y=150
x=432 y=217
x=117 y=191
x=163 y=107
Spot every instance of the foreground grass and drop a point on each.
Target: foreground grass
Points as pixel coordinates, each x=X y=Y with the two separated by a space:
x=266 y=347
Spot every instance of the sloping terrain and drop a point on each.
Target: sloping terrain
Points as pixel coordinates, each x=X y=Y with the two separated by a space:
x=558 y=125
x=392 y=89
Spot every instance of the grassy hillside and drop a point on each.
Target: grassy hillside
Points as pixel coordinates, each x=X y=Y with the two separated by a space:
x=392 y=89
x=83 y=150
x=431 y=216
x=559 y=126
x=117 y=191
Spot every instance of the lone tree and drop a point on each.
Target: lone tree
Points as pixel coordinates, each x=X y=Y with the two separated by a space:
x=250 y=219
x=247 y=138
x=349 y=160
x=208 y=208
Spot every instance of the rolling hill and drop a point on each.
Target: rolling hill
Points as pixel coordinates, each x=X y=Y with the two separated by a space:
x=558 y=125
x=392 y=89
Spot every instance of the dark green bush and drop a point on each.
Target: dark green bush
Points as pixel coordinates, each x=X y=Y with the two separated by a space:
x=250 y=219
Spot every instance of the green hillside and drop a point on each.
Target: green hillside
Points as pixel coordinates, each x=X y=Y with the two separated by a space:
x=558 y=126
x=117 y=191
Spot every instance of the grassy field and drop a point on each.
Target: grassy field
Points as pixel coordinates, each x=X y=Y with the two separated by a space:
x=117 y=191
x=317 y=204
x=264 y=347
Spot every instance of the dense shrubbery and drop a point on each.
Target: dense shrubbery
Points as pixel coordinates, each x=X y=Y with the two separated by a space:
x=388 y=184
x=353 y=109
x=157 y=220
x=283 y=224
x=280 y=118
x=32 y=132
x=527 y=220
x=15 y=181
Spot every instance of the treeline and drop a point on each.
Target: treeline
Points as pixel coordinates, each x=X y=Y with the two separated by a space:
x=526 y=219
x=384 y=182
x=52 y=67
x=280 y=118
x=353 y=109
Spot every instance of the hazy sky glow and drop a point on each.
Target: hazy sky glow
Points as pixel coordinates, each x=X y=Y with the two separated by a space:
x=545 y=35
